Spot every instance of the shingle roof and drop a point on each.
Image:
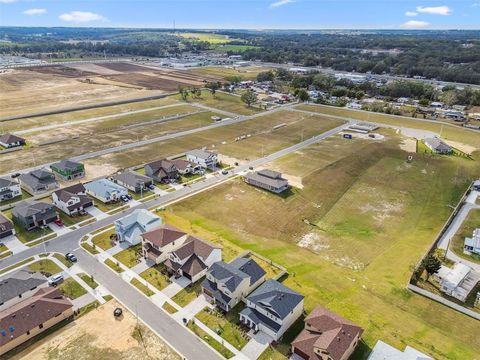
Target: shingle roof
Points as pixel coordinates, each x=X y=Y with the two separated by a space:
x=274 y=182
x=163 y=235
x=197 y=246
x=202 y=154
x=181 y=164
x=27 y=208
x=227 y=274
x=249 y=267
x=139 y=216
x=10 y=138
x=5 y=224
x=193 y=265
x=30 y=313
x=131 y=178
x=438 y=144
x=6 y=182
x=66 y=164
x=103 y=187
x=269 y=173
x=37 y=177
x=19 y=282
x=66 y=193
x=276 y=298
x=333 y=334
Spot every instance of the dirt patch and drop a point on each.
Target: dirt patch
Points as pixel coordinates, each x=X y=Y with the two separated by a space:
x=409 y=145
x=94 y=68
x=63 y=71
x=462 y=147
x=314 y=242
x=93 y=171
x=123 y=67
x=99 y=336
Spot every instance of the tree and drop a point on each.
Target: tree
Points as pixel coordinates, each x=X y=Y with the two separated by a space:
x=249 y=98
x=266 y=76
x=431 y=264
x=196 y=92
x=213 y=87
x=183 y=93
x=303 y=95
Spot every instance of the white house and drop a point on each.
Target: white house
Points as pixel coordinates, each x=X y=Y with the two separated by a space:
x=9 y=189
x=226 y=284
x=272 y=308
x=131 y=227
x=105 y=190
x=458 y=281
x=72 y=200
x=204 y=158
x=383 y=351
x=472 y=245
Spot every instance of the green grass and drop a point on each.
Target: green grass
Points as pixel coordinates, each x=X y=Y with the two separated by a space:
x=45 y=266
x=3 y=248
x=246 y=73
x=25 y=195
x=90 y=249
x=210 y=341
x=107 y=207
x=113 y=266
x=224 y=102
x=169 y=308
x=155 y=277
x=103 y=240
x=130 y=256
x=471 y=223
x=63 y=260
x=108 y=297
x=271 y=353
x=225 y=325
x=89 y=280
x=17 y=265
x=142 y=287
x=87 y=308
x=72 y=289
x=188 y=294
x=72 y=220
x=373 y=216
x=5 y=254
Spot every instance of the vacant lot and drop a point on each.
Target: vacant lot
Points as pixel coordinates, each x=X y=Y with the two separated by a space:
x=225 y=102
x=372 y=216
x=454 y=134
x=99 y=336
x=246 y=73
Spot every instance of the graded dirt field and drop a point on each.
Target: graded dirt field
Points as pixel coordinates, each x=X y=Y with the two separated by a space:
x=371 y=215
x=99 y=336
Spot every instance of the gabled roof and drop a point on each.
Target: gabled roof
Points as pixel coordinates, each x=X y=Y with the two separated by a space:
x=30 y=313
x=5 y=224
x=103 y=187
x=6 y=182
x=66 y=193
x=163 y=235
x=163 y=164
x=67 y=165
x=181 y=164
x=142 y=217
x=383 y=351
x=10 y=138
x=132 y=178
x=202 y=154
x=276 y=298
x=196 y=246
x=28 y=208
x=331 y=333
x=19 y=282
x=227 y=274
x=249 y=267
x=438 y=144
x=193 y=265
x=42 y=174
x=276 y=182
x=270 y=173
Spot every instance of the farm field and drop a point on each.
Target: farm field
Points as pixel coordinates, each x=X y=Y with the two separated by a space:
x=225 y=102
x=372 y=216
x=94 y=137
x=246 y=73
x=98 y=335
x=263 y=140
x=455 y=135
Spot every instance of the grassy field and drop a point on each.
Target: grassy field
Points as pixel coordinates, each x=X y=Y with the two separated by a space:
x=447 y=132
x=224 y=101
x=103 y=240
x=155 y=277
x=72 y=289
x=130 y=256
x=45 y=266
x=471 y=223
x=246 y=73
x=372 y=216
x=89 y=280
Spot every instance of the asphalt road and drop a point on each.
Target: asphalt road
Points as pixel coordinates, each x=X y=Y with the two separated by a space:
x=172 y=332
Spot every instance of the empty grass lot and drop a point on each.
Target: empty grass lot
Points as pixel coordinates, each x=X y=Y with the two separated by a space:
x=113 y=265
x=471 y=223
x=188 y=294
x=142 y=287
x=225 y=325
x=373 y=216
x=246 y=73
x=225 y=102
x=209 y=340
x=155 y=277
x=89 y=280
x=71 y=289
x=45 y=266
x=103 y=240
x=130 y=256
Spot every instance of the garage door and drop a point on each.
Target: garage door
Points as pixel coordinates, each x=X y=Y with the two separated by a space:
x=5 y=234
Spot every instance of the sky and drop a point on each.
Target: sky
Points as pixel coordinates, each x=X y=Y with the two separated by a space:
x=245 y=14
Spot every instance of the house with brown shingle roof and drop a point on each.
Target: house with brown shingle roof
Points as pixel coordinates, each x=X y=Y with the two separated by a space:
x=28 y=318
x=72 y=199
x=159 y=243
x=326 y=336
x=193 y=258
x=10 y=141
x=161 y=170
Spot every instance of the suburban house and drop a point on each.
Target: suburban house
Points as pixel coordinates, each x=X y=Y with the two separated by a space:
x=185 y=167
x=19 y=285
x=272 y=308
x=193 y=258
x=68 y=169
x=326 y=336
x=10 y=141
x=438 y=146
x=30 y=317
x=9 y=189
x=38 y=181
x=161 y=170
x=31 y=214
x=206 y=159
x=383 y=351
x=6 y=227
x=226 y=284
x=160 y=242
x=105 y=190
x=132 y=180
x=267 y=179
x=472 y=245
x=131 y=227
x=458 y=281
x=72 y=200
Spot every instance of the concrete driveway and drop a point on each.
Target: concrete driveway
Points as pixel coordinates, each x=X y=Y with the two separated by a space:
x=13 y=244
x=257 y=345
x=96 y=212
x=59 y=230
x=176 y=286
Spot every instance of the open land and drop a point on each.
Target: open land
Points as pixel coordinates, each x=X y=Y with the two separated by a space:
x=246 y=72
x=371 y=215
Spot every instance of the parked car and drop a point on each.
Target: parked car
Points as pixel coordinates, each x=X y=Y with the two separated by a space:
x=224 y=172
x=250 y=167
x=70 y=257
x=129 y=197
x=117 y=312
x=16 y=175
x=124 y=198
x=58 y=222
x=55 y=280
x=151 y=187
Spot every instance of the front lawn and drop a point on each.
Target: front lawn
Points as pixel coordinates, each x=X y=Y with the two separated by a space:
x=90 y=249
x=88 y=280
x=155 y=277
x=225 y=325
x=130 y=256
x=71 y=289
x=187 y=295
x=103 y=240
x=210 y=341
x=63 y=260
x=113 y=266
x=107 y=207
x=72 y=220
x=45 y=266
x=169 y=308
x=142 y=287
x=23 y=235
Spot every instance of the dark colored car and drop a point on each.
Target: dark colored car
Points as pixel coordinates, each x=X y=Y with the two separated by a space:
x=71 y=257
x=224 y=172
x=117 y=312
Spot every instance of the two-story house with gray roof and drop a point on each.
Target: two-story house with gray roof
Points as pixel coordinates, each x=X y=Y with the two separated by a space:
x=204 y=158
x=38 y=181
x=68 y=169
x=31 y=214
x=267 y=179
x=6 y=227
x=227 y=284
x=9 y=189
x=19 y=285
x=272 y=308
